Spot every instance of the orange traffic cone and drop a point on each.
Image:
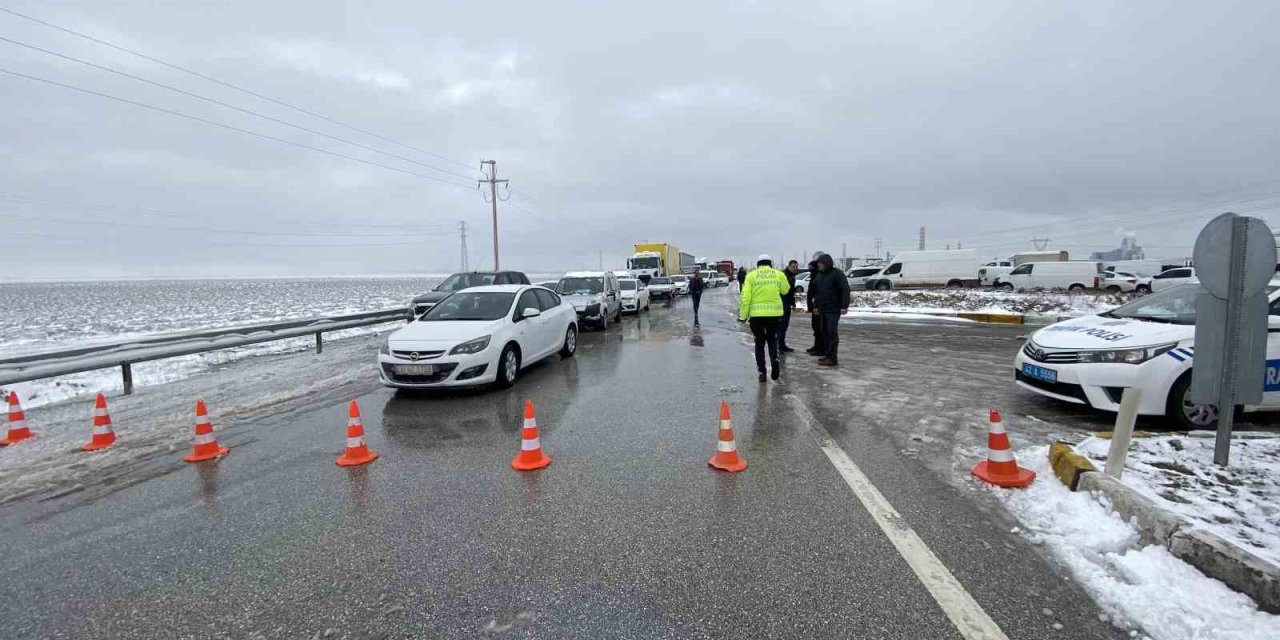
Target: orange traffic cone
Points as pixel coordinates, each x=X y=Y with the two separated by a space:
x=18 y=429
x=530 y=456
x=205 y=447
x=727 y=458
x=357 y=451
x=1000 y=468
x=103 y=436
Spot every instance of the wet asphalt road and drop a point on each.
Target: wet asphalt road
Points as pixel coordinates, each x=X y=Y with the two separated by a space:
x=627 y=534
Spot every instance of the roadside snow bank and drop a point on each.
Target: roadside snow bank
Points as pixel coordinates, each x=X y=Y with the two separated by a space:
x=985 y=302
x=1241 y=503
x=1146 y=591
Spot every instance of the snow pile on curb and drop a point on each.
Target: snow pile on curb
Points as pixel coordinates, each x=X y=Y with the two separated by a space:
x=1241 y=503
x=947 y=301
x=1146 y=591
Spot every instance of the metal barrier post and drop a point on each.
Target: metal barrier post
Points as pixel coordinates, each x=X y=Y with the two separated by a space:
x=1123 y=432
x=319 y=342
x=126 y=371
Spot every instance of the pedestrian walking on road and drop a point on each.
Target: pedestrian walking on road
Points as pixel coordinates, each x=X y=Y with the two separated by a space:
x=761 y=305
x=695 y=292
x=742 y=276
x=788 y=304
x=830 y=294
x=815 y=321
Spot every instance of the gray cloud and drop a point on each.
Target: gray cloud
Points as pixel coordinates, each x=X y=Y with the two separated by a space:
x=725 y=128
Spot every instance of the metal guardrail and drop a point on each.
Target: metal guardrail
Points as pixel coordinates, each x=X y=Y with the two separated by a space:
x=125 y=353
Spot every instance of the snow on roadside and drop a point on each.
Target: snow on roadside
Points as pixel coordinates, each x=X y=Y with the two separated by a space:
x=1241 y=503
x=983 y=301
x=1146 y=591
x=899 y=315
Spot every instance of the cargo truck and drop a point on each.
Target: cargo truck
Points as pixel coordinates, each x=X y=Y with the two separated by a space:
x=653 y=259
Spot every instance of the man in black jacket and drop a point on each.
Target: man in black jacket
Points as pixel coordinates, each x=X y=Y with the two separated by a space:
x=830 y=293
x=788 y=303
x=695 y=293
x=815 y=321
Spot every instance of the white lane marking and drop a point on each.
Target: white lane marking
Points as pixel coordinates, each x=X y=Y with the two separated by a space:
x=965 y=613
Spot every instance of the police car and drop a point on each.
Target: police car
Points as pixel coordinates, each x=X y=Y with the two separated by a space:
x=1148 y=344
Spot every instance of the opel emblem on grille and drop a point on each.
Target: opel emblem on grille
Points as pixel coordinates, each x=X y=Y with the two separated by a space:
x=413 y=356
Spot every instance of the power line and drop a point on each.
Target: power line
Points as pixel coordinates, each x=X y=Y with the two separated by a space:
x=229 y=127
x=149 y=211
x=229 y=85
x=229 y=106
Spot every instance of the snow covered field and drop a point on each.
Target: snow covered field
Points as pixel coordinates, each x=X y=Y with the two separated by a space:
x=1144 y=590
x=1241 y=503
x=982 y=301
x=42 y=316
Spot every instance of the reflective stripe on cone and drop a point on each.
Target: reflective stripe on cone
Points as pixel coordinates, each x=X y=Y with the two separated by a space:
x=1000 y=468
x=357 y=452
x=726 y=457
x=531 y=456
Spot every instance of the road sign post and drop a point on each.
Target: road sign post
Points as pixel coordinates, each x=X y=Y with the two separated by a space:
x=1235 y=258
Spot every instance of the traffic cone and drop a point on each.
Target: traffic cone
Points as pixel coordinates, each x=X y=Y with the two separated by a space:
x=727 y=458
x=205 y=447
x=530 y=456
x=357 y=452
x=18 y=429
x=1000 y=468
x=103 y=436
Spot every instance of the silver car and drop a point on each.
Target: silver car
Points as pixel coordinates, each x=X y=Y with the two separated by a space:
x=595 y=295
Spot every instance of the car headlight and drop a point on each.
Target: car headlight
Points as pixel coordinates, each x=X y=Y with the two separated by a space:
x=386 y=348
x=1125 y=356
x=471 y=346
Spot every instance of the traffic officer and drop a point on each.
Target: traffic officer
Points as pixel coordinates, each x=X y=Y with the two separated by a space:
x=761 y=304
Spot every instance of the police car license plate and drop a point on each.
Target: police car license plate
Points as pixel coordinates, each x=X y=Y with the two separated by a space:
x=414 y=369
x=1039 y=373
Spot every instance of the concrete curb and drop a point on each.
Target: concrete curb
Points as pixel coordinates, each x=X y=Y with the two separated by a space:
x=1068 y=465
x=1200 y=548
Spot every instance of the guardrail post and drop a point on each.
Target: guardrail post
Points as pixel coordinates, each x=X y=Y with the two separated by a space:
x=126 y=371
x=319 y=342
x=1125 y=419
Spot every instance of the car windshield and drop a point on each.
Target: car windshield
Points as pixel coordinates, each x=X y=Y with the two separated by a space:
x=471 y=305
x=659 y=281
x=679 y=278
x=644 y=263
x=1174 y=306
x=580 y=286
x=460 y=281
x=627 y=285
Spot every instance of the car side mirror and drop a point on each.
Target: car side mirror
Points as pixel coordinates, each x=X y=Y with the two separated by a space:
x=530 y=312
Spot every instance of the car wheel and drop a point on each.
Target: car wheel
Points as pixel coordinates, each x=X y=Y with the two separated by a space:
x=955 y=284
x=604 y=320
x=1005 y=286
x=883 y=286
x=508 y=366
x=800 y=289
x=570 y=346
x=1076 y=288
x=1142 y=288
x=618 y=318
x=1113 y=289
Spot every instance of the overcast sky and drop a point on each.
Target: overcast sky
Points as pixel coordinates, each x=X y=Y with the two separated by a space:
x=725 y=128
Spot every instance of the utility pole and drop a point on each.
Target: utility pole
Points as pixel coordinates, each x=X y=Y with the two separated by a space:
x=922 y=238
x=1040 y=243
x=462 y=234
x=844 y=256
x=491 y=179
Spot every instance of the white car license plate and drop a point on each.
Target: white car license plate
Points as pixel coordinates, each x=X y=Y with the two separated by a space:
x=1039 y=373
x=414 y=369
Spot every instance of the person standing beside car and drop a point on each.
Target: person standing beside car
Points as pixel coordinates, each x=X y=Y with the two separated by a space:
x=815 y=321
x=695 y=293
x=761 y=305
x=830 y=293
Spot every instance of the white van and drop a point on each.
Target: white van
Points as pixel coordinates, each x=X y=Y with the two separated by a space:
x=953 y=269
x=1075 y=275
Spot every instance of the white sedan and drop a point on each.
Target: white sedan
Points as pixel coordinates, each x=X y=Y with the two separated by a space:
x=1168 y=279
x=1148 y=344
x=479 y=336
x=1119 y=282
x=635 y=295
